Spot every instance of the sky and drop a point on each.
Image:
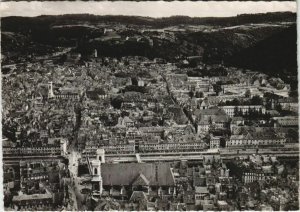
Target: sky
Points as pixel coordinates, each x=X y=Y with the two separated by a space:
x=151 y=9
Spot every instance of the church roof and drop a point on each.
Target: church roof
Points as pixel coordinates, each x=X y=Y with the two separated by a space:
x=141 y=180
x=128 y=173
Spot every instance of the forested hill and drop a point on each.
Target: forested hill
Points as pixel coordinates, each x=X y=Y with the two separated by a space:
x=263 y=42
x=18 y=23
x=275 y=55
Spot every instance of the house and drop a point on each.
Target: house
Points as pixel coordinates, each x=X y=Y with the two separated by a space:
x=208 y=205
x=214 y=142
x=212 y=116
x=203 y=126
x=97 y=94
x=236 y=121
x=231 y=110
x=204 y=104
x=43 y=201
x=120 y=82
x=199 y=179
x=201 y=193
x=119 y=148
x=222 y=205
x=220 y=122
x=289 y=104
x=209 y=113
x=254 y=137
x=141 y=82
x=254 y=140
x=286 y=121
x=253 y=175
x=153 y=131
x=68 y=93
x=172 y=147
x=125 y=122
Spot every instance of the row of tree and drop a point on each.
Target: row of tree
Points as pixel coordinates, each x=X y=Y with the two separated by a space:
x=252 y=114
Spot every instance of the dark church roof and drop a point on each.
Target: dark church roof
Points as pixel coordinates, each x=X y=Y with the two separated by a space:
x=128 y=173
x=141 y=180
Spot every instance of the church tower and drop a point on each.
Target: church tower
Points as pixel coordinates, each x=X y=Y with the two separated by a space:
x=101 y=155
x=97 y=182
x=50 y=90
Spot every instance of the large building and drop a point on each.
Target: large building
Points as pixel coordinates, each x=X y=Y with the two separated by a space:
x=289 y=104
x=255 y=137
x=286 y=121
x=231 y=110
x=172 y=147
x=59 y=149
x=67 y=93
x=211 y=118
x=33 y=202
x=125 y=180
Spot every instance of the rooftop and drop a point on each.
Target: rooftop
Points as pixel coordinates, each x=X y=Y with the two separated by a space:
x=128 y=173
x=25 y=197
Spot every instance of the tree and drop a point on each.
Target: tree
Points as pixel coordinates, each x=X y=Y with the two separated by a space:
x=241 y=112
x=124 y=113
x=134 y=81
x=117 y=102
x=222 y=142
x=199 y=94
x=293 y=93
x=191 y=94
x=248 y=93
x=126 y=62
x=292 y=205
x=63 y=58
x=236 y=111
x=193 y=63
x=154 y=81
x=256 y=100
x=268 y=104
x=293 y=134
x=278 y=107
x=235 y=102
x=267 y=116
x=217 y=87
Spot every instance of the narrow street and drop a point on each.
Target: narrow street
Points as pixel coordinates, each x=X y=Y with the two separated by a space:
x=73 y=168
x=186 y=113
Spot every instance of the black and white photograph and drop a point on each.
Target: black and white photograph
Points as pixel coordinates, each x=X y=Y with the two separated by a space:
x=149 y=106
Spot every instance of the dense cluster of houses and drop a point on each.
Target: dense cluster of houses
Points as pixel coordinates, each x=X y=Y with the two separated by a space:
x=135 y=105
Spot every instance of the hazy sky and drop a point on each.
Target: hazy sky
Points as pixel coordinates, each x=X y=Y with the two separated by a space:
x=152 y=9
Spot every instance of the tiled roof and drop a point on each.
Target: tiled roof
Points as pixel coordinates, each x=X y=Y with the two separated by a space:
x=255 y=133
x=201 y=190
x=25 y=197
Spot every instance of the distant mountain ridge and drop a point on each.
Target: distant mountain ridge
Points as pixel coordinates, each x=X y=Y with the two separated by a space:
x=15 y=22
x=263 y=42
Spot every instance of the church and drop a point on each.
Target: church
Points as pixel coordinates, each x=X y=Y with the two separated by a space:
x=123 y=181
